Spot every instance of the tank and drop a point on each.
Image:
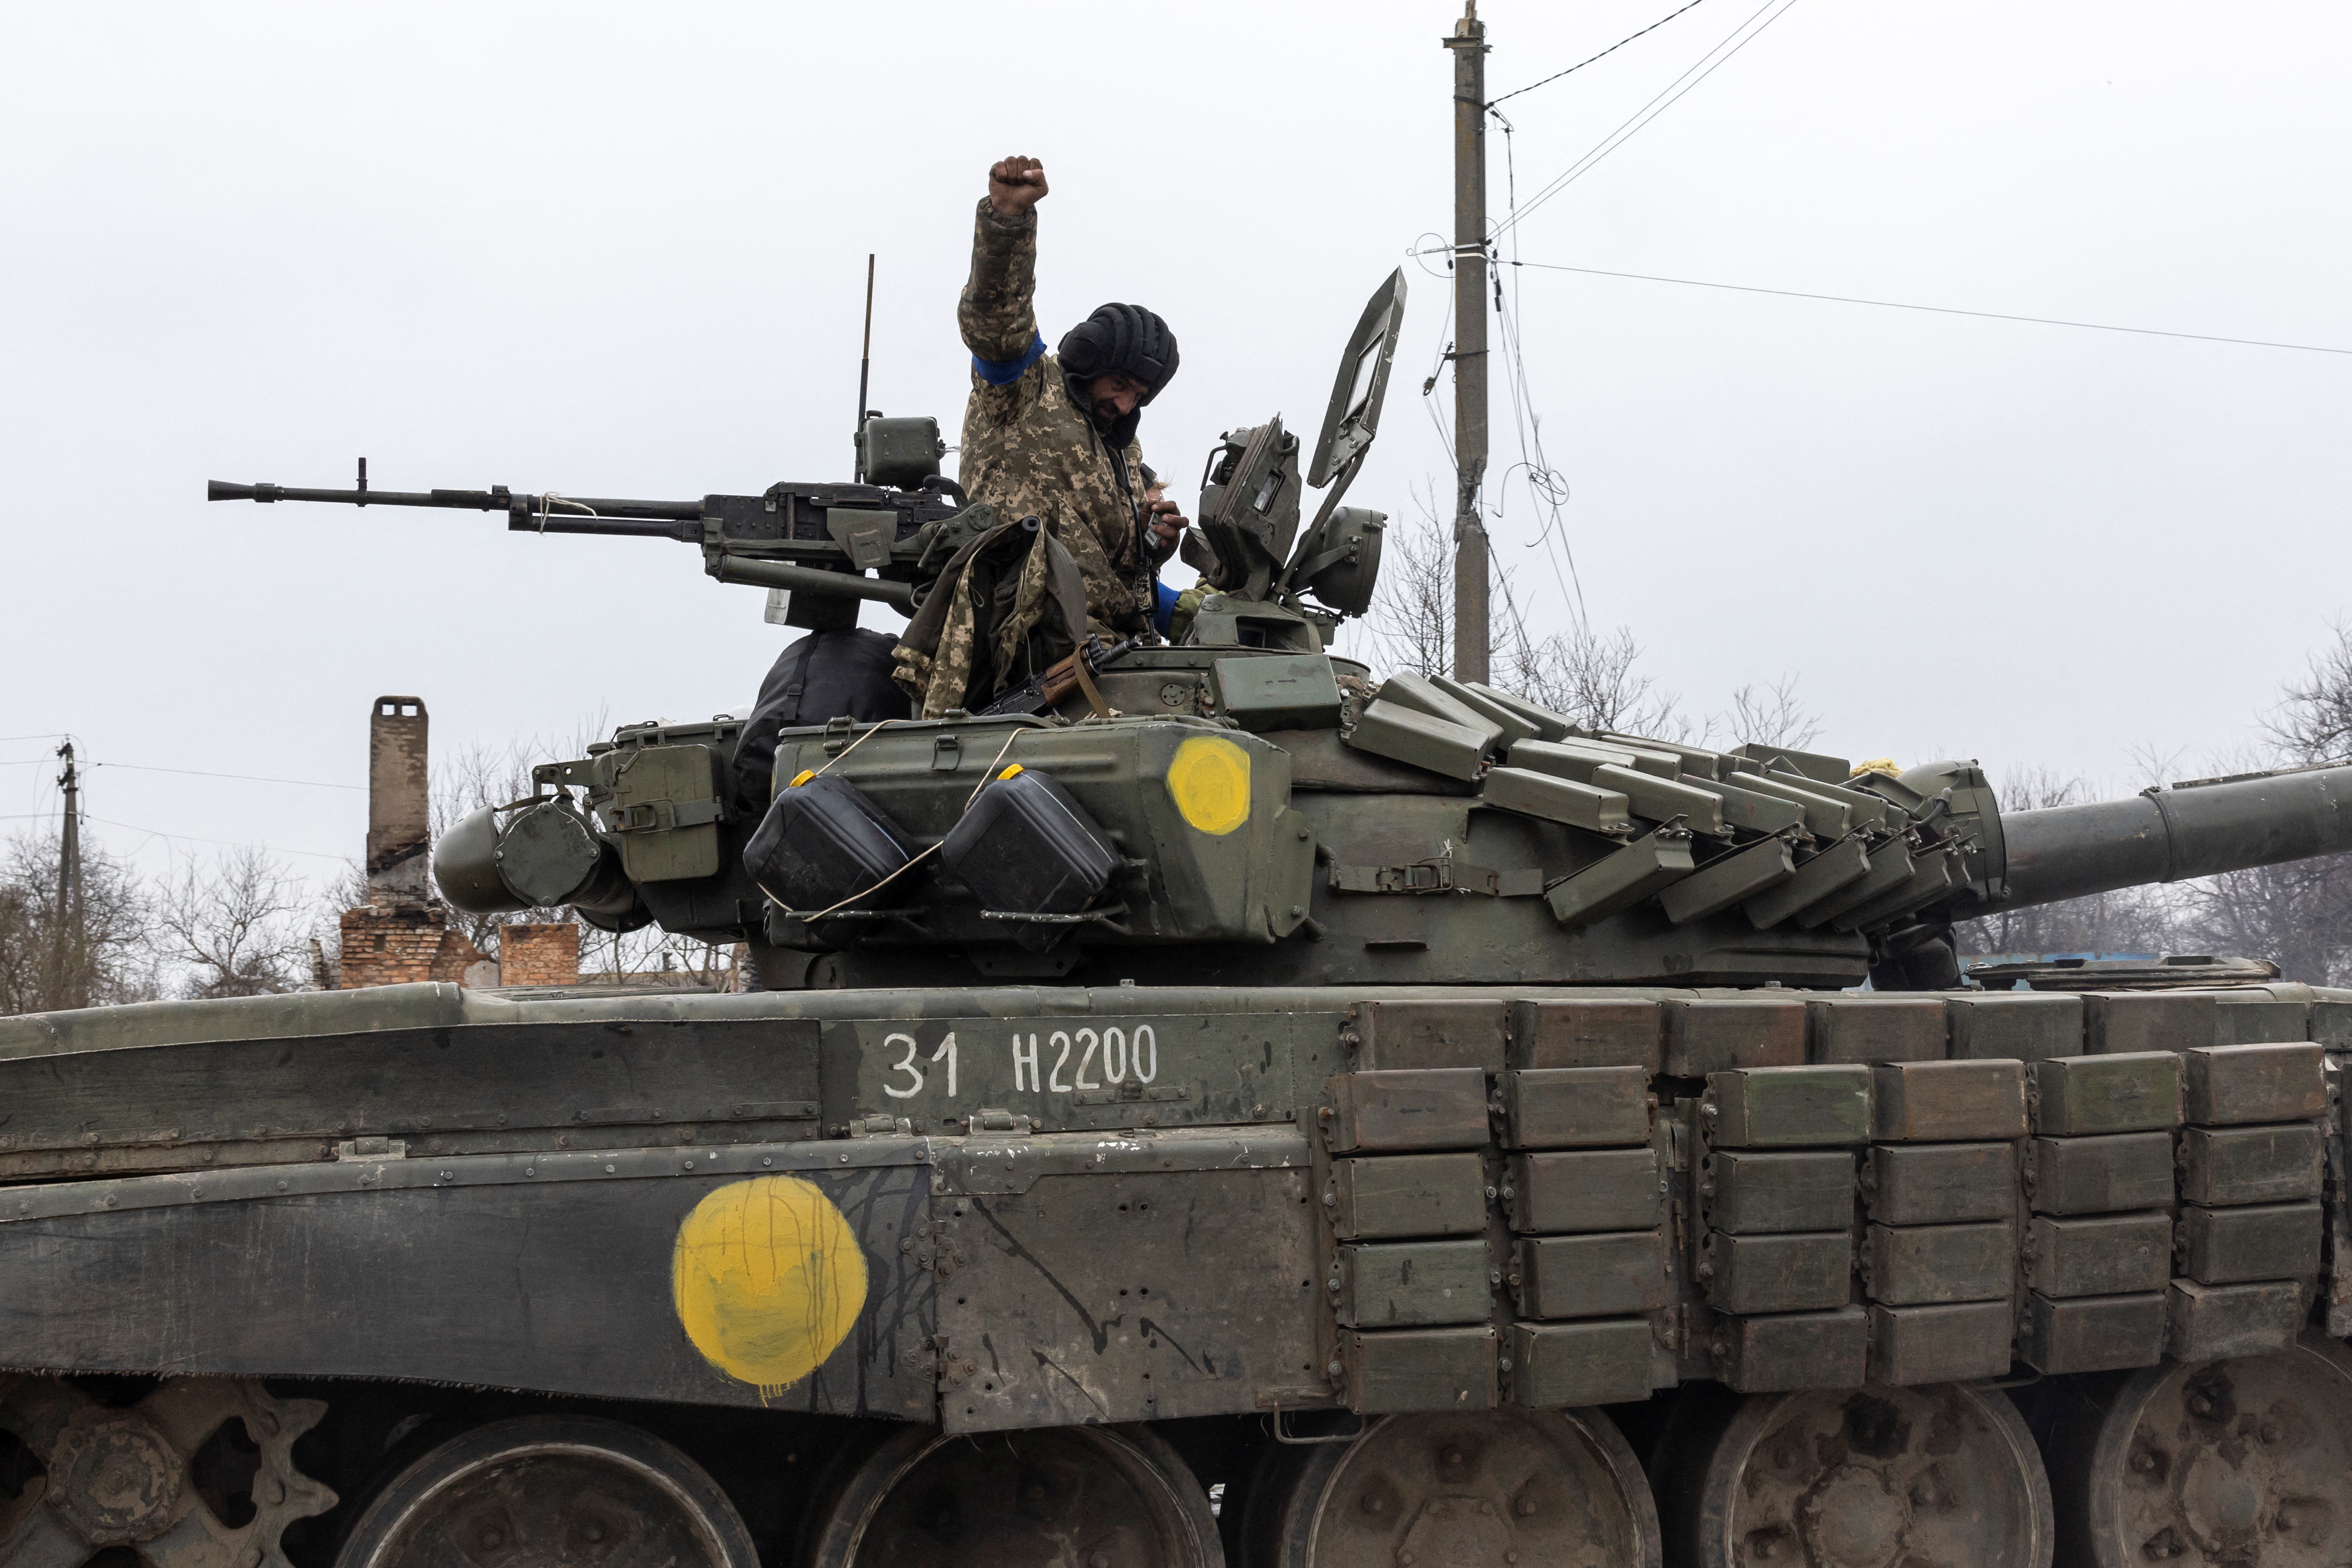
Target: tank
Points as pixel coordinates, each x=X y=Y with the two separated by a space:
x=1213 y=1107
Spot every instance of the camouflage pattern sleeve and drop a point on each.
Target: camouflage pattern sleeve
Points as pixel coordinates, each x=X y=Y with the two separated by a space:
x=995 y=312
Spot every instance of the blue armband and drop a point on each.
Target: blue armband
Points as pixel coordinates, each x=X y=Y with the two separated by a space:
x=1006 y=371
x=1164 y=609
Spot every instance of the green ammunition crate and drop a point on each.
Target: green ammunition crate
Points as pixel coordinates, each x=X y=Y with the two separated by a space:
x=1948 y=1102
x=2223 y=1165
x=1601 y=1033
x=2259 y=1241
x=1954 y=1343
x=2214 y=1323
x=1579 y=1190
x=1406 y=1109
x=2232 y=1085
x=1707 y=1035
x=1757 y=1192
x=2120 y=1022
x=1792 y=1106
x=1792 y=1273
x=2098 y=1255
x=1407 y=1195
x=1939 y=1184
x=1920 y=1265
x=2026 y=1025
x=1279 y=691
x=2093 y=1333
x=1874 y=1030
x=1592 y=1275
x=1556 y=1366
x=1576 y=1108
x=2121 y=1093
x=1793 y=1350
x=2100 y=1174
x=1391 y=1034
x=1413 y=1284
x=1420 y=1369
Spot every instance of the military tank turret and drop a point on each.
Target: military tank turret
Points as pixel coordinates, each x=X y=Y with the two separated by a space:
x=1206 y=1104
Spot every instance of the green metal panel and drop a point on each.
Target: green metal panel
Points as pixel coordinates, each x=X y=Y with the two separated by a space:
x=2251 y=1164
x=1407 y=1109
x=1707 y=1035
x=2024 y=1024
x=1939 y=1184
x=2215 y=1323
x=2228 y=1084
x=1786 y=1351
x=1953 y=1343
x=1875 y=1028
x=1790 y=1107
x=2094 y=1333
x=1558 y=1366
x=1410 y=736
x=1592 y=1275
x=1726 y=880
x=1916 y=1264
x=1948 y=1102
x=2117 y=1023
x=2099 y=1175
x=2098 y=1255
x=1588 y=806
x=1412 y=1284
x=1598 y=1032
x=664 y=811
x=1582 y=1190
x=2258 y=1241
x=2124 y=1093
x=1420 y=1369
x=1757 y=1194
x=2258 y=1020
x=1433 y=1033
x=1407 y=1195
x=1575 y=1108
x=1780 y=1273
x=1279 y=691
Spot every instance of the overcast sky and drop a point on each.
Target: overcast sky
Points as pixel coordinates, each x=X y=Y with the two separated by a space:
x=618 y=251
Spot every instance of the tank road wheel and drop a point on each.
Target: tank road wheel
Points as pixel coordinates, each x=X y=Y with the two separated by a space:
x=2240 y=1461
x=171 y=1477
x=1056 y=1497
x=542 y=1490
x=1538 y=1489
x=1878 y=1478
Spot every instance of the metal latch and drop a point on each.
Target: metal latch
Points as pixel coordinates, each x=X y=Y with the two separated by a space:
x=372 y=1149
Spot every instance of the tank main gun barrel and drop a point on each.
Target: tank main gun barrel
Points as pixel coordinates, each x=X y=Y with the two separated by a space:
x=2195 y=829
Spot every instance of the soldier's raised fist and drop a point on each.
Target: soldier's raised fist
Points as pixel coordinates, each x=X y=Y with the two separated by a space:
x=1016 y=184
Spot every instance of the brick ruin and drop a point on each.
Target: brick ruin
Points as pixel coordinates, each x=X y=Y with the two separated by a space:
x=403 y=934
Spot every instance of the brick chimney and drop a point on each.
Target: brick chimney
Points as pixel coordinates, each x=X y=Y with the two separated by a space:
x=399 y=826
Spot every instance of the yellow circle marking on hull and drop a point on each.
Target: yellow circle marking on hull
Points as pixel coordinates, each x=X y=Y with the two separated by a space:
x=1209 y=780
x=768 y=1278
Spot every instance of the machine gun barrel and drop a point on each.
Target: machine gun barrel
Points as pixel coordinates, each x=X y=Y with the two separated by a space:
x=542 y=513
x=2195 y=829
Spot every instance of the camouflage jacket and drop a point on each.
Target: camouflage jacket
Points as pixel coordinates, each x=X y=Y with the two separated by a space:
x=1029 y=450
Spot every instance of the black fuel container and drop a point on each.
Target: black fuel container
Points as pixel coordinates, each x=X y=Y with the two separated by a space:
x=824 y=842
x=1027 y=848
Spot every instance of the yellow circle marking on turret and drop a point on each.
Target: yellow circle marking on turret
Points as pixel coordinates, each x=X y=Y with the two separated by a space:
x=1209 y=780
x=768 y=1279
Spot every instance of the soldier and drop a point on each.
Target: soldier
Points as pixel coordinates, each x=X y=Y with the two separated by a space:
x=1048 y=438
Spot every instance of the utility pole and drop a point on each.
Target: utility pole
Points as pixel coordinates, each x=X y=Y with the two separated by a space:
x=1470 y=568
x=69 y=921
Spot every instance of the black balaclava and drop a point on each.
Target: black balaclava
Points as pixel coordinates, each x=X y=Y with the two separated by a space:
x=1126 y=339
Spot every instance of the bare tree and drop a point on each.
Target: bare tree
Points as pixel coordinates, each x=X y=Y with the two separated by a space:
x=2314 y=724
x=237 y=925
x=1590 y=679
x=1768 y=716
x=2130 y=919
x=94 y=953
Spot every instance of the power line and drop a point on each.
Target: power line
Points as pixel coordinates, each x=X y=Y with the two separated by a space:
x=1746 y=33
x=249 y=778
x=232 y=843
x=1934 y=310
x=1603 y=54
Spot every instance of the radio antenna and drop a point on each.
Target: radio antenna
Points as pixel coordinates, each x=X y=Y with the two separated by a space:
x=865 y=366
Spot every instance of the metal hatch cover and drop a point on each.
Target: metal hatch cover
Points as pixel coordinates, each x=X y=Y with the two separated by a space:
x=1354 y=415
